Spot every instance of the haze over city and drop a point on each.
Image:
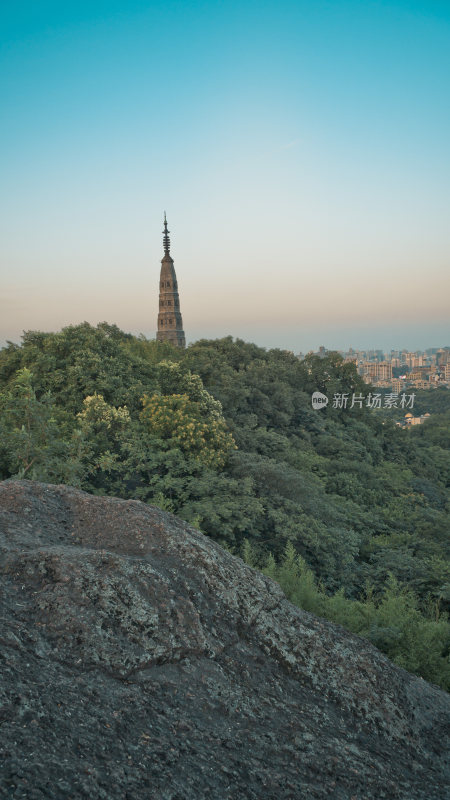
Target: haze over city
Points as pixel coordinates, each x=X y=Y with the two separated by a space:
x=300 y=150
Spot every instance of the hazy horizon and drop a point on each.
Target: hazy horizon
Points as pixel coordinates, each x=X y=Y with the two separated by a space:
x=295 y=341
x=300 y=151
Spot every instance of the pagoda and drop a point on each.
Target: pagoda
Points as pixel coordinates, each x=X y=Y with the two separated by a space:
x=170 y=324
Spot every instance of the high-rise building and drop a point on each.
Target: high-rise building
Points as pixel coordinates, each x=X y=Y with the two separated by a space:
x=376 y=370
x=398 y=385
x=170 y=323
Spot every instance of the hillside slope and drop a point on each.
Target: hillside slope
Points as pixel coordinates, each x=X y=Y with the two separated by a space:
x=143 y=661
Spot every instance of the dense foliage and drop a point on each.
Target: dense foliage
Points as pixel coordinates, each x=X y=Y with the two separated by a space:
x=224 y=435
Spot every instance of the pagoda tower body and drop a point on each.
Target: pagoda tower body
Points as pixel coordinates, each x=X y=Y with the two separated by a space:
x=170 y=324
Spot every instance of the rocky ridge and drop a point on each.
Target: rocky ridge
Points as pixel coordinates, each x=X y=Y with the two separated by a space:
x=140 y=660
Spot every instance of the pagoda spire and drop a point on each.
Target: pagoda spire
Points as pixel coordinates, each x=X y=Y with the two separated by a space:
x=166 y=239
x=170 y=323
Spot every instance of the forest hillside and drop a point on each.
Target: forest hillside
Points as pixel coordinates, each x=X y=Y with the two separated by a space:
x=348 y=512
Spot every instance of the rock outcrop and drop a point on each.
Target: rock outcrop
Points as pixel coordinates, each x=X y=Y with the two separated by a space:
x=140 y=660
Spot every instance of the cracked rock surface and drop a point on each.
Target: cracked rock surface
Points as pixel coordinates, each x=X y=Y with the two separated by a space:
x=139 y=660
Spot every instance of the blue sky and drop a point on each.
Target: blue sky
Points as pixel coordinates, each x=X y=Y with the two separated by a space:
x=299 y=148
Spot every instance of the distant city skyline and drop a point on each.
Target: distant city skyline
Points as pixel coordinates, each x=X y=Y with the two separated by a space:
x=300 y=150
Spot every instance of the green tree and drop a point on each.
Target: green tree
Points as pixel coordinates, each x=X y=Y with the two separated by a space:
x=31 y=445
x=183 y=421
x=102 y=431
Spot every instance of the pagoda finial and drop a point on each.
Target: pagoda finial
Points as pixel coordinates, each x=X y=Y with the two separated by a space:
x=166 y=240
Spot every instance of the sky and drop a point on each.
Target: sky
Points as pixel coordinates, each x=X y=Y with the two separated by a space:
x=300 y=150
